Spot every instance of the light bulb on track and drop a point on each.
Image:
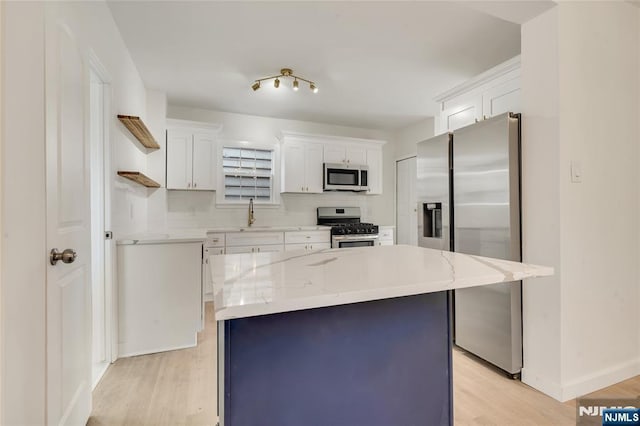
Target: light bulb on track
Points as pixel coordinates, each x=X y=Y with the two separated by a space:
x=256 y=86
x=295 y=85
x=276 y=83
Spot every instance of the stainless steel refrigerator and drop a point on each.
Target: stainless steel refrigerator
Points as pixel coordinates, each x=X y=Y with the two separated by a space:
x=469 y=201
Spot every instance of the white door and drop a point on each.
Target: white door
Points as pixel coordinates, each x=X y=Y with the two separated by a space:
x=68 y=392
x=406 y=204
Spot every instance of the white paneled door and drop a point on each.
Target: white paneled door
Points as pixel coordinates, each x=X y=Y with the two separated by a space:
x=68 y=393
x=406 y=204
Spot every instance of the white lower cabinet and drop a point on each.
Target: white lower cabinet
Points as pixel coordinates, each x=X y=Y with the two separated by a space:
x=265 y=248
x=308 y=246
x=159 y=296
x=307 y=240
x=385 y=236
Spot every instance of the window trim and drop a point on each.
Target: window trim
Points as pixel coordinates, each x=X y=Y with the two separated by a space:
x=275 y=173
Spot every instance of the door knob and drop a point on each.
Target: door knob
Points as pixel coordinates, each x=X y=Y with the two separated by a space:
x=67 y=256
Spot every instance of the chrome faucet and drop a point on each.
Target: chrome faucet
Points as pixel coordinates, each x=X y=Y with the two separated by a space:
x=252 y=218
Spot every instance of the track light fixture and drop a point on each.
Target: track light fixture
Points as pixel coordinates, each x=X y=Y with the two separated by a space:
x=285 y=72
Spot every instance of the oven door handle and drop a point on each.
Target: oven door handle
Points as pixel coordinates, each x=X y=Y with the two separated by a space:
x=355 y=237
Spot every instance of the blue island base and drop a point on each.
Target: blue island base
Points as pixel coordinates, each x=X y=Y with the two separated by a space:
x=385 y=362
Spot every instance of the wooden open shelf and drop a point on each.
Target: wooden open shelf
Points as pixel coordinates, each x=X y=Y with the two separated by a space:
x=139 y=130
x=139 y=178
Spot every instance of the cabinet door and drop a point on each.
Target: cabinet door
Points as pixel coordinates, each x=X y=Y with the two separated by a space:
x=356 y=155
x=293 y=164
x=179 y=159
x=204 y=162
x=502 y=98
x=313 y=168
x=308 y=246
x=319 y=246
x=374 y=162
x=253 y=239
x=270 y=248
x=305 y=237
x=265 y=248
x=240 y=249
x=385 y=235
x=461 y=115
x=334 y=154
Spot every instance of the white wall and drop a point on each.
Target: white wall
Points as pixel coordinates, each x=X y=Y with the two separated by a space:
x=24 y=247
x=581 y=326
x=541 y=203
x=406 y=139
x=191 y=209
x=23 y=205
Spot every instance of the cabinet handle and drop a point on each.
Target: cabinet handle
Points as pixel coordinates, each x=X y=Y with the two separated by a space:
x=195 y=184
x=311 y=247
x=484 y=117
x=302 y=188
x=258 y=249
x=308 y=236
x=252 y=249
x=188 y=184
x=307 y=189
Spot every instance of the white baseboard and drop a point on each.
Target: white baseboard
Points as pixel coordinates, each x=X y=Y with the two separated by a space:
x=126 y=351
x=541 y=383
x=601 y=379
x=583 y=385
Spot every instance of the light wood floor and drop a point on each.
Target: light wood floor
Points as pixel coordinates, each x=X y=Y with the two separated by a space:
x=179 y=388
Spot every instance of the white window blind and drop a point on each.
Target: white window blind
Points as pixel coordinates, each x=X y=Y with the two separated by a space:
x=247 y=173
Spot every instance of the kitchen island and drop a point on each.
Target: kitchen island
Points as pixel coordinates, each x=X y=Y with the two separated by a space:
x=356 y=336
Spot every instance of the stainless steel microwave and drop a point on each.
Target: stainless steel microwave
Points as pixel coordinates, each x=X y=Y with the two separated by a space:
x=343 y=177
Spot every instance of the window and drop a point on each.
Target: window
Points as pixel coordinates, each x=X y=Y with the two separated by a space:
x=247 y=173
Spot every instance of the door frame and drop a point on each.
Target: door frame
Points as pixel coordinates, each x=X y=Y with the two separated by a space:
x=395 y=177
x=95 y=65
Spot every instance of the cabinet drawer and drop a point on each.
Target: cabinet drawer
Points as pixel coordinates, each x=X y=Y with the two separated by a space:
x=385 y=235
x=215 y=240
x=211 y=251
x=301 y=237
x=265 y=248
x=254 y=238
x=308 y=246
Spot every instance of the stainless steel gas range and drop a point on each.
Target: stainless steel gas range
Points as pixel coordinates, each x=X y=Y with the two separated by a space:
x=346 y=228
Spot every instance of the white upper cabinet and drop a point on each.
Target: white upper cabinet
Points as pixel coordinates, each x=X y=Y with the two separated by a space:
x=491 y=93
x=191 y=155
x=345 y=154
x=304 y=155
x=179 y=159
x=302 y=167
x=204 y=161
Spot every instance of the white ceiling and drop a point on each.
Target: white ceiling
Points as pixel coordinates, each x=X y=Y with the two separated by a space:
x=377 y=64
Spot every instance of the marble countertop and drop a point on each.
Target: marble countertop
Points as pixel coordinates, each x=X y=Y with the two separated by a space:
x=265 y=283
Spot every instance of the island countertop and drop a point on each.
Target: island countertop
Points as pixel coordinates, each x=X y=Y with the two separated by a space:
x=253 y=284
